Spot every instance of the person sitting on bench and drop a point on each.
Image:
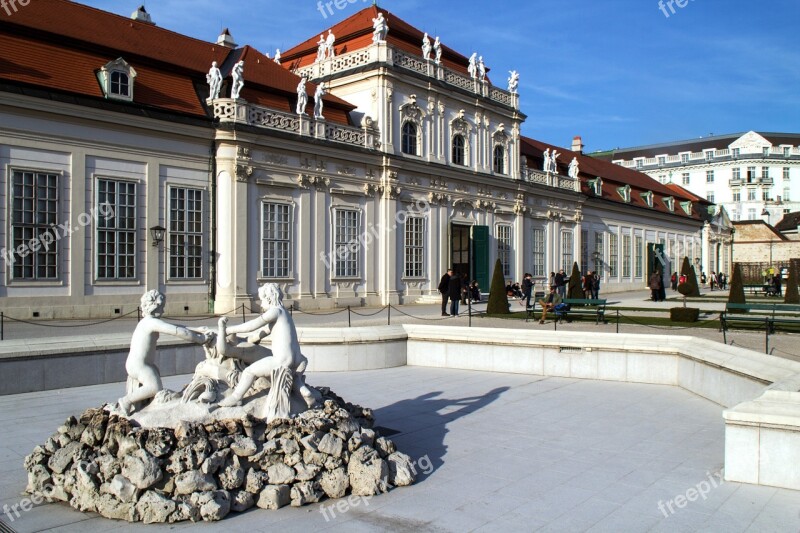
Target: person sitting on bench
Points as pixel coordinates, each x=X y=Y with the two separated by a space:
x=553 y=299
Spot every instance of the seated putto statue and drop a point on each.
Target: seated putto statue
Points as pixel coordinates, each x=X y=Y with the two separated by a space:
x=380 y=28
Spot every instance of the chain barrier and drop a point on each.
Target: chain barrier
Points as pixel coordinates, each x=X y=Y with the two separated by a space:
x=419 y=318
x=379 y=311
x=43 y=325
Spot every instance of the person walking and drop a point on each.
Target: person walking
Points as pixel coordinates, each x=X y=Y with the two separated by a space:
x=561 y=283
x=455 y=294
x=444 y=290
x=595 y=286
x=464 y=288
x=527 y=289
x=712 y=280
x=674 y=281
x=655 y=285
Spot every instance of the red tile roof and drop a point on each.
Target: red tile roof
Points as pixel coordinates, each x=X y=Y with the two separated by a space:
x=59 y=45
x=613 y=176
x=355 y=33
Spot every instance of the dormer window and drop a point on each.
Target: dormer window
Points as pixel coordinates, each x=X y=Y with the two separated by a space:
x=116 y=79
x=710 y=155
x=596 y=186
x=625 y=193
x=669 y=201
x=648 y=198
x=687 y=207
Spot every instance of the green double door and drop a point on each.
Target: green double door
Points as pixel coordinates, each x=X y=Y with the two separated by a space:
x=469 y=252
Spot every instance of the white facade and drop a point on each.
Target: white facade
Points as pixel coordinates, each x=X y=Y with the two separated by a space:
x=752 y=178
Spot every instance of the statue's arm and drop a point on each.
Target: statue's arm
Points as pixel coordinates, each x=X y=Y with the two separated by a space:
x=179 y=331
x=257 y=323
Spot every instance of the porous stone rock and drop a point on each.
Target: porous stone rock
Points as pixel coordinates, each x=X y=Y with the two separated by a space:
x=154 y=508
x=304 y=493
x=401 y=470
x=331 y=445
x=255 y=481
x=367 y=472
x=280 y=474
x=63 y=457
x=335 y=483
x=244 y=447
x=215 y=505
x=232 y=476
x=241 y=501
x=141 y=469
x=274 y=497
x=121 y=488
x=194 y=481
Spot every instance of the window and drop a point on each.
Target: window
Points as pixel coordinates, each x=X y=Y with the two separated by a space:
x=751 y=194
x=736 y=152
x=596 y=186
x=613 y=254
x=709 y=176
x=504 y=248
x=626 y=256
x=687 y=207
x=737 y=195
x=787 y=151
x=567 y=251
x=669 y=201
x=409 y=139
x=34 y=210
x=786 y=195
x=710 y=196
x=736 y=216
x=751 y=214
x=751 y=174
x=414 y=247
x=120 y=84
x=662 y=178
x=639 y=163
x=599 y=252
x=685 y=178
x=737 y=173
x=684 y=158
x=625 y=193
x=765 y=151
x=346 y=244
x=538 y=253
x=458 y=150
x=710 y=155
x=661 y=161
x=639 y=254
x=117 y=78
x=185 y=233
x=785 y=173
x=499 y=160
x=116 y=234
x=276 y=233
x=648 y=198
x=765 y=173
x=765 y=195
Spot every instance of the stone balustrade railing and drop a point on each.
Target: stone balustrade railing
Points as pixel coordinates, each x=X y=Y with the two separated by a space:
x=242 y=112
x=384 y=54
x=550 y=180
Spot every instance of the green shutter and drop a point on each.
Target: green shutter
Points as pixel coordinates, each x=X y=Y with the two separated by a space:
x=480 y=256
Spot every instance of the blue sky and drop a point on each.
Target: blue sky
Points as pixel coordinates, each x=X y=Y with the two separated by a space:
x=617 y=72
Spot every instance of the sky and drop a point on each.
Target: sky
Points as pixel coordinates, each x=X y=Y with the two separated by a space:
x=619 y=73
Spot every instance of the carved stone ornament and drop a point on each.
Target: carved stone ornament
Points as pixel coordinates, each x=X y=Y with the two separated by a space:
x=411 y=110
x=347 y=171
x=439 y=183
x=438 y=198
x=276 y=159
x=460 y=125
x=413 y=180
x=520 y=209
x=484 y=190
x=243 y=151
x=370 y=189
x=484 y=204
x=244 y=172
x=500 y=134
x=305 y=181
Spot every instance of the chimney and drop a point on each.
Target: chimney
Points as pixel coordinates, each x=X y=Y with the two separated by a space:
x=577 y=144
x=142 y=15
x=226 y=40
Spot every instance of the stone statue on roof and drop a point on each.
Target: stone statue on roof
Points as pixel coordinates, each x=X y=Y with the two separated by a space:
x=238 y=79
x=513 y=82
x=329 y=42
x=380 y=28
x=546 y=165
x=554 y=161
x=437 y=50
x=214 y=79
x=481 y=69
x=318 y=101
x=426 y=47
x=321 y=48
x=574 y=169
x=277 y=56
x=472 y=68
x=302 y=97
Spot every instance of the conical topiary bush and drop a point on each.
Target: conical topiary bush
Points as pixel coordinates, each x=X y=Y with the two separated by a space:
x=736 y=294
x=575 y=290
x=498 y=300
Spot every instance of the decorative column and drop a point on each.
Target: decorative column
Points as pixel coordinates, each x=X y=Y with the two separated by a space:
x=705 y=249
x=577 y=241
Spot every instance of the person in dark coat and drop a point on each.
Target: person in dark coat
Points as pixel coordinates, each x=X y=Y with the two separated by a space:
x=464 y=288
x=527 y=289
x=561 y=283
x=455 y=294
x=444 y=290
x=655 y=284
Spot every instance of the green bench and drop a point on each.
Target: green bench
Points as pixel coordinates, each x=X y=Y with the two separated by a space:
x=585 y=307
x=767 y=314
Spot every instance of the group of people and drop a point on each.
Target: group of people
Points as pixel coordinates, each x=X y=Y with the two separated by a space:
x=457 y=289
x=718 y=280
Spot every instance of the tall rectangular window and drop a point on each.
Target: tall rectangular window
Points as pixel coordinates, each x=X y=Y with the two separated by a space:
x=567 y=253
x=737 y=173
x=684 y=158
x=751 y=194
x=34 y=209
x=736 y=152
x=737 y=195
x=639 y=254
x=538 y=253
x=751 y=214
x=276 y=233
x=626 y=256
x=709 y=176
x=710 y=196
x=785 y=173
x=751 y=174
x=504 y=248
x=765 y=173
x=613 y=254
x=116 y=234
x=599 y=252
x=786 y=193
x=685 y=178
x=414 y=247
x=185 y=233
x=346 y=243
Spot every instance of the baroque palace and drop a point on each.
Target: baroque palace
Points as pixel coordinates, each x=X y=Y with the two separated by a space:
x=353 y=171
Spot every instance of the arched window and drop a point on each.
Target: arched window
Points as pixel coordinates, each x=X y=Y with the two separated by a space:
x=499 y=160
x=409 y=140
x=458 y=150
x=119 y=84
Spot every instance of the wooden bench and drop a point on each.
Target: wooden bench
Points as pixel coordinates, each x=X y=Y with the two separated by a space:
x=762 y=313
x=585 y=307
x=530 y=311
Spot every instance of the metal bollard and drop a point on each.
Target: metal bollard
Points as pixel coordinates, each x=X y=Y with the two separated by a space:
x=617 y=320
x=766 y=334
x=469 y=306
x=138 y=314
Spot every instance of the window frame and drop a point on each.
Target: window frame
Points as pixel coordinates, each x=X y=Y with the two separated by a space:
x=501 y=169
x=36 y=229
x=505 y=247
x=415 y=260
x=134 y=231
x=461 y=151
x=406 y=138
x=351 y=257
x=283 y=244
x=172 y=233
x=567 y=241
x=539 y=250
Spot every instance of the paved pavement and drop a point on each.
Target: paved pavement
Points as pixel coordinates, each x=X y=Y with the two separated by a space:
x=497 y=452
x=781 y=344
